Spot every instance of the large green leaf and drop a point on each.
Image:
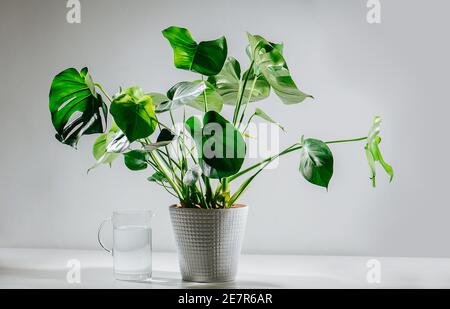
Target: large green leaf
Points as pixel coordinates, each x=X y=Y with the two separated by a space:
x=76 y=108
x=316 y=162
x=269 y=61
x=181 y=94
x=373 y=152
x=221 y=148
x=228 y=83
x=134 y=113
x=136 y=160
x=206 y=57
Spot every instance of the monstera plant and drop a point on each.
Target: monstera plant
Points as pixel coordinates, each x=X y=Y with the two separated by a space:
x=197 y=162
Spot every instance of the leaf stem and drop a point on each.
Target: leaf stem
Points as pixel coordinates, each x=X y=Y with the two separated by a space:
x=204 y=96
x=266 y=162
x=163 y=170
x=269 y=159
x=248 y=101
x=167 y=154
x=238 y=105
x=167 y=189
x=169 y=158
x=347 y=140
x=248 y=122
x=104 y=91
x=289 y=149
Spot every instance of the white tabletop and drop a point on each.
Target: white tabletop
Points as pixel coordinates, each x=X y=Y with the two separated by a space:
x=48 y=268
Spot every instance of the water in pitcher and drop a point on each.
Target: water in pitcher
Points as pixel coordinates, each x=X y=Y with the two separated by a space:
x=133 y=252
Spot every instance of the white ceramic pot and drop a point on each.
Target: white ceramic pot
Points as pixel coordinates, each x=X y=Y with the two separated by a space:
x=209 y=241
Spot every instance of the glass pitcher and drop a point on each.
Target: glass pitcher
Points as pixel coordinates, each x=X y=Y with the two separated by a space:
x=132 y=244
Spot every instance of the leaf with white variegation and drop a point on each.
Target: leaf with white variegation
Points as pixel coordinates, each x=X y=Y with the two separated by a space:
x=181 y=94
x=316 y=162
x=373 y=152
x=209 y=100
x=119 y=144
x=158 y=98
x=228 y=83
x=76 y=108
x=192 y=175
x=107 y=146
x=268 y=59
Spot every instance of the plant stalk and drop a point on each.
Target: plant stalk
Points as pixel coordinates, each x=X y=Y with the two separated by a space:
x=286 y=151
x=248 y=122
x=347 y=140
x=204 y=96
x=267 y=161
x=238 y=105
x=163 y=170
x=248 y=101
x=104 y=91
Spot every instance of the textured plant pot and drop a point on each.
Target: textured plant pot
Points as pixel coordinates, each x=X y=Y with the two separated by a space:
x=209 y=242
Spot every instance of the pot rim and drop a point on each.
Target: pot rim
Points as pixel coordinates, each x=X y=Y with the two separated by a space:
x=235 y=207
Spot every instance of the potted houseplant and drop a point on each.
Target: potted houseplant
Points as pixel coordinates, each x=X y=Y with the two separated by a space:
x=197 y=162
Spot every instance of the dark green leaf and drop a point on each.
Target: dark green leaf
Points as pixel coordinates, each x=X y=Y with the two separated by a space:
x=165 y=137
x=221 y=148
x=206 y=57
x=227 y=83
x=270 y=62
x=136 y=160
x=157 y=177
x=373 y=152
x=316 y=162
x=134 y=113
x=75 y=107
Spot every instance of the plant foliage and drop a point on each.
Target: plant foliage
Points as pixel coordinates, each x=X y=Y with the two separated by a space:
x=200 y=161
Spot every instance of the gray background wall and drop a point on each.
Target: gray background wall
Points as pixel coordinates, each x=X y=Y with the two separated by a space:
x=397 y=69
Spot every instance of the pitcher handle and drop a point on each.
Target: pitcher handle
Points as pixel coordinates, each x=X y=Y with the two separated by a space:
x=99 y=238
